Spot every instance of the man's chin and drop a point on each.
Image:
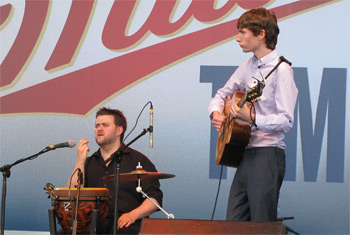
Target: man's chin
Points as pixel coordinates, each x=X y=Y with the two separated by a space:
x=99 y=142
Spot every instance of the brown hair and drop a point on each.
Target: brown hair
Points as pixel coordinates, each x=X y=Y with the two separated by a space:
x=261 y=19
x=119 y=118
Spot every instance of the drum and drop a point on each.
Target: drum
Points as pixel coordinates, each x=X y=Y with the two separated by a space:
x=64 y=201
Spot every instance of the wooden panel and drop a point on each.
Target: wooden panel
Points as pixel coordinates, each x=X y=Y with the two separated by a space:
x=165 y=226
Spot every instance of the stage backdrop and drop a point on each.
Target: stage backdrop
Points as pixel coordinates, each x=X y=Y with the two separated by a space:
x=61 y=60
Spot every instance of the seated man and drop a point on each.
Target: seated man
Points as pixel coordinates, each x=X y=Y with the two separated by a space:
x=110 y=127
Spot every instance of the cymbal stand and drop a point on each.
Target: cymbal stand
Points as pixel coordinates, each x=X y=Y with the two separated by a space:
x=118 y=157
x=6 y=174
x=139 y=190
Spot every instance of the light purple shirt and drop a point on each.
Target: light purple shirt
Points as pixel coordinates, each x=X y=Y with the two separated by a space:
x=275 y=110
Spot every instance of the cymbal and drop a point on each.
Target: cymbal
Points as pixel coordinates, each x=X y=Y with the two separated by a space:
x=144 y=175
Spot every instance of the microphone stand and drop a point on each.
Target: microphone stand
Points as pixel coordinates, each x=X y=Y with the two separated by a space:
x=118 y=157
x=75 y=221
x=288 y=229
x=6 y=173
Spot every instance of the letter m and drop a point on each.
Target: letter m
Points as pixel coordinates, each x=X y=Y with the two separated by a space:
x=331 y=100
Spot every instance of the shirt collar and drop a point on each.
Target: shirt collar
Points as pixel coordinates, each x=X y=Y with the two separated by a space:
x=266 y=59
x=125 y=151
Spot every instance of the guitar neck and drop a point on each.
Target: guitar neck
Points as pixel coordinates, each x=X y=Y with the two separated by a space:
x=243 y=100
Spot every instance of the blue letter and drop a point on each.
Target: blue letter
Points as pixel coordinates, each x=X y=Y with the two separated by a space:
x=332 y=95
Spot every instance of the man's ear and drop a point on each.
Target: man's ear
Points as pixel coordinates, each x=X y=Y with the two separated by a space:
x=120 y=130
x=262 y=34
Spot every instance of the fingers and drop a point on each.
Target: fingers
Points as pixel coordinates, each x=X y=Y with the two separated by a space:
x=243 y=113
x=83 y=148
x=234 y=110
x=217 y=125
x=125 y=221
x=82 y=145
x=123 y=224
x=83 y=141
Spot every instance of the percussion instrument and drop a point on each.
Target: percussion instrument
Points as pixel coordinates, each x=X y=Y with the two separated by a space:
x=139 y=173
x=64 y=200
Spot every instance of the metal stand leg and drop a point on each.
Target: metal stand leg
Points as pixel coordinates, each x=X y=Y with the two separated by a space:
x=287 y=228
x=94 y=221
x=52 y=220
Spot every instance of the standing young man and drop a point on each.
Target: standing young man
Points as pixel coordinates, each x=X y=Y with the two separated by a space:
x=255 y=188
x=110 y=126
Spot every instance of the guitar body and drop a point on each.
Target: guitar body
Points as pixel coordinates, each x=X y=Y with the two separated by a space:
x=234 y=138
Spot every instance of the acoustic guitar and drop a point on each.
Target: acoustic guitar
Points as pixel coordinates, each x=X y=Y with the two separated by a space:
x=234 y=138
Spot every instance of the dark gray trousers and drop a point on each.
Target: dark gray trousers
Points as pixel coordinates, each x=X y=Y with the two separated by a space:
x=255 y=188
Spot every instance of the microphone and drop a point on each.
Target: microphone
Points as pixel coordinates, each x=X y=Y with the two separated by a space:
x=68 y=144
x=285 y=60
x=151 y=126
x=80 y=177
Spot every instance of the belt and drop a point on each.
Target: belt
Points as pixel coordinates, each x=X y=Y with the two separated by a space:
x=260 y=150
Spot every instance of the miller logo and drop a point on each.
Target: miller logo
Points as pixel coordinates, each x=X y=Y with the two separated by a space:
x=78 y=92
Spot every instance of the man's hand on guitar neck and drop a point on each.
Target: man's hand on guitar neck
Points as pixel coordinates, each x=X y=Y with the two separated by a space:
x=218 y=121
x=245 y=113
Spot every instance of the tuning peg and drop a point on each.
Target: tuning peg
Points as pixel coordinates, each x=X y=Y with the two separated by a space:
x=256 y=99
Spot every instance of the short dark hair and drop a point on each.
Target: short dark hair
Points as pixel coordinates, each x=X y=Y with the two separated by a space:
x=259 y=19
x=119 y=118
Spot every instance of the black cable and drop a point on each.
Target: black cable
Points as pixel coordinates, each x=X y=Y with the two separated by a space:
x=69 y=197
x=217 y=194
x=149 y=102
x=251 y=111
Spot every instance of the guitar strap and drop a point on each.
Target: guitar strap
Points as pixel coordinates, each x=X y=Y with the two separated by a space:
x=282 y=59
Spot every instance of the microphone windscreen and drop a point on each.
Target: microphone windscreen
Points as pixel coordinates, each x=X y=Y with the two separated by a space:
x=71 y=143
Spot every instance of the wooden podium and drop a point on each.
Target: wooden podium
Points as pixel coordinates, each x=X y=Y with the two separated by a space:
x=179 y=226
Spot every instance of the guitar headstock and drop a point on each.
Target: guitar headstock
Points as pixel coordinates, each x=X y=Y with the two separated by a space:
x=254 y=93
